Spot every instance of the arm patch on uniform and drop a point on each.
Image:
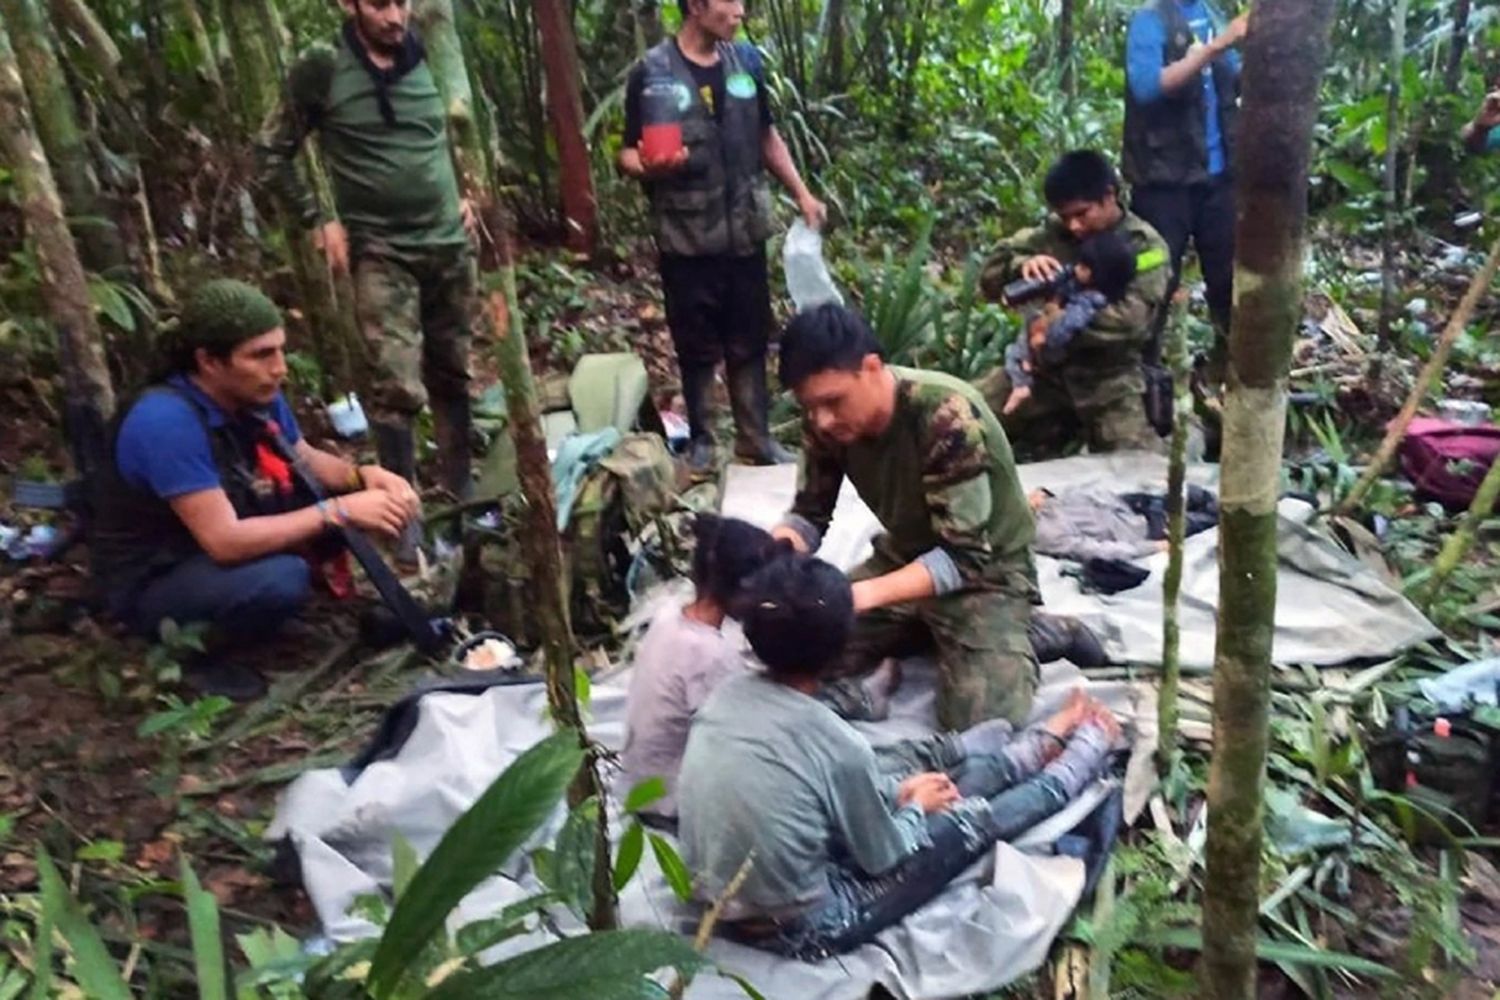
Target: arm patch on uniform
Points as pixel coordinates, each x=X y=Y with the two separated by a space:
x=956 y=449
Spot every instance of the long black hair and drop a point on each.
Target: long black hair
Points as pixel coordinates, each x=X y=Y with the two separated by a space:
x=727 y=551
x=798 y=613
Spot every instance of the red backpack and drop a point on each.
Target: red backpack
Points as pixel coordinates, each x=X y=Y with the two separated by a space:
x=1447 y=460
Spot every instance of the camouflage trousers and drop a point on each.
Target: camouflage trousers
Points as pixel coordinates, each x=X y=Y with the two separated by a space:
x=986 y=667
x=415 y=310
x=1072 y=407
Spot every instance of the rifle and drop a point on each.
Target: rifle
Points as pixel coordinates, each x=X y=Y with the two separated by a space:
x=427 y=633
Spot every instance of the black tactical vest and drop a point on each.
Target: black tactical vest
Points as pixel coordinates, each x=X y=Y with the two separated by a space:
x=136 y=536
x=1166 y=141
x=719 y=203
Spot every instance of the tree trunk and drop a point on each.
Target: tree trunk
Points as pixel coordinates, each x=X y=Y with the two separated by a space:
x=1458 y=44
x=540 y=543
x=1065 y=45
x=1457 y=323
x=56 y=122
x=86 y=381
x=208 y=60
x=1171 y=638
x=833 y=56
x=95 y=40
x=1285 y=54
x=565 y=110
x=1391 y=203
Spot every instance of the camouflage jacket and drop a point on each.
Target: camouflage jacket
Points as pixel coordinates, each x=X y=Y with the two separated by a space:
x=1119 y=332
x=940 y=479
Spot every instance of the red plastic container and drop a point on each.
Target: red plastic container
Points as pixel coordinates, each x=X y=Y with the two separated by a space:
x=661 y=143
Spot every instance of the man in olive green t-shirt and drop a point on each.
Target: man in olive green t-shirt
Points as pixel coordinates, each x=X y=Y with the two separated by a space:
x=953 y=567
x=402 y=227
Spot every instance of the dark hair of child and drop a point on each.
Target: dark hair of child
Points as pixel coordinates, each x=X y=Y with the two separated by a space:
x=1112 y=264
x=797 y=614
x=726 y=552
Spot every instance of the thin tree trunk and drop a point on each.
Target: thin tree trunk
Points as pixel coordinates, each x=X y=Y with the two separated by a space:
x=96 y=41
x=1457 y=544
x=1391 y=203
x=1458 y=44
x=1171 y=639
x=56 y=121
x=256 y=38
x=208 y=60
x=833 y=54
x=1423 y=385
x=1285 y=53
x=565 y=110
x=86 y=380
x=540 y=543
x=1065 y=31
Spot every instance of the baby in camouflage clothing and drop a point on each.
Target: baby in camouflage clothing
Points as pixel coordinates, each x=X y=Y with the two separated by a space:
x=1106 y=266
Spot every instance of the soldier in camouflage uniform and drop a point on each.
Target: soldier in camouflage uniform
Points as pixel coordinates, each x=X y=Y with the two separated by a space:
x=1097 y=391
x=953 y=568
x=401 y=224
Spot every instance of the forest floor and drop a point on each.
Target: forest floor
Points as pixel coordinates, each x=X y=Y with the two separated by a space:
x=78 y=775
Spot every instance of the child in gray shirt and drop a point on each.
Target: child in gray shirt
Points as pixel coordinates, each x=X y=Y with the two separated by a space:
x=843 y=847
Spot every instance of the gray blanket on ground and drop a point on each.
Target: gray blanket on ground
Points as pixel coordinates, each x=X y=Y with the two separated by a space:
x=990 y=927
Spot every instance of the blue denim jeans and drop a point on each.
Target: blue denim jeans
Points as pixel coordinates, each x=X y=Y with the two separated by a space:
x=247 y=601
x=1003 y=799
x=858 y=906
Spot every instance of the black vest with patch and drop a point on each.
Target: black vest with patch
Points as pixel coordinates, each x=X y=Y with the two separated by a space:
x=719 y=203
x=136 y=536
x=1166 y=141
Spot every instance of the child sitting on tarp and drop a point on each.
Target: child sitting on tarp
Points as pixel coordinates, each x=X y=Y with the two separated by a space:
x=685 y=654
x=1105 y=268
x=845 y=842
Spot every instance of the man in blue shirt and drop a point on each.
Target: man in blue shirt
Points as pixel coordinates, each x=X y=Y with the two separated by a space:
x=1182 y=92
x=1482 y=135
x=198 y=517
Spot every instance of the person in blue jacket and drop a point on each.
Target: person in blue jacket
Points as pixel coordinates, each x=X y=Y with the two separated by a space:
x=1182 y=92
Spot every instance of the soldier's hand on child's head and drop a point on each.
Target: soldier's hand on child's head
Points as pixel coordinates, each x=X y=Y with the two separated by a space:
x=1041 y=266
x=786 y=533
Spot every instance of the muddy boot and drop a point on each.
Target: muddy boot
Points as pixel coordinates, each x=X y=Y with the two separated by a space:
x=452 y=425
x=697 y=394
x=750 y=401
x=396 y=449
x=1058 y=637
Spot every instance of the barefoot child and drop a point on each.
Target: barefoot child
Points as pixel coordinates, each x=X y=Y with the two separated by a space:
x=843 y=847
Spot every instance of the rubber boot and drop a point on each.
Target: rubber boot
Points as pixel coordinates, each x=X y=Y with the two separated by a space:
x=697 y=393
x=750 y=401
x=396 y=449
x=1058 y=637
x=452 y=425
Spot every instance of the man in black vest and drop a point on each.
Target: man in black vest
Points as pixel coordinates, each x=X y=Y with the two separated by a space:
x=1182 y=91
x=711 y=216
x=198 y=516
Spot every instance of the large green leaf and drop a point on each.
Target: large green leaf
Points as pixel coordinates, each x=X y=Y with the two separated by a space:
x=672 y=868
x=573 y=857
x=493 y=828
x=208 y=946
x=93 y=968
x=610 y=965
x=628 y=858
x=1189 y=939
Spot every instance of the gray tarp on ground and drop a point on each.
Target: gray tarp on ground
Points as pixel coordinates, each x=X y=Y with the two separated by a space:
x=984 y=931
x=1330 y=608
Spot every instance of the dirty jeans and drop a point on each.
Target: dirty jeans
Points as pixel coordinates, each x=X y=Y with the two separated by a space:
x=1005 y=796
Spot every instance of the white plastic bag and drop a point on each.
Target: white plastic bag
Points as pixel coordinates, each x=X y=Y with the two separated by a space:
x=807 y=279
